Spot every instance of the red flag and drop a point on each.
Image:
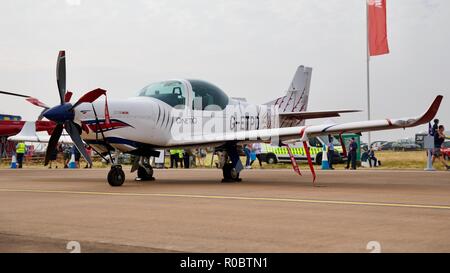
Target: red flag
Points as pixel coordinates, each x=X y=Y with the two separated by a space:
x=378 y=41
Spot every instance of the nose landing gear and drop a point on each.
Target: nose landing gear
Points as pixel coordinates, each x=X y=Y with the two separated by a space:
x=232 y=164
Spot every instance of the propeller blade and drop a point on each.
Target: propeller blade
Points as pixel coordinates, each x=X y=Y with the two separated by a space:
x=37 y=102
x=90 y=96
x=68 y=96
x=74 y=133
x=53 y=142
x=14 y=94
x=27 y=98
x=61 y=74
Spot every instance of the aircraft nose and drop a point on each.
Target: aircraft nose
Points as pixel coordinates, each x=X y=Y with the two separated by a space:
x=60 y=113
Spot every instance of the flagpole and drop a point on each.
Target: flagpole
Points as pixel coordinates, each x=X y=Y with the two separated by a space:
x=368 y=70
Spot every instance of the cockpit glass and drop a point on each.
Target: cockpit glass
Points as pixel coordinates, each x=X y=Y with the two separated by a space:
x=170 y=92
x=207 y=96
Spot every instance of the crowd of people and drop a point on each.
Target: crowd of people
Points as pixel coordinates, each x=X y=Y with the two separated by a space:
x=66 y=150
x=188 y=158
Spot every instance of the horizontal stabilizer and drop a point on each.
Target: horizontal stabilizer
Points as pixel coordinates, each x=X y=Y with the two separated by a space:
x=315 y=114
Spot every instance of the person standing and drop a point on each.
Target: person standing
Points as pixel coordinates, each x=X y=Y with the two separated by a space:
x=89 y=153
x=257 y=149
x=173 y=158
x=180 y=158
x=247 y=152
x=67 y=150
x=330 y=152
x=201 y=157
x=351 y=157
x=21 y=149
x=77 y=156
x=187 y=159
x=439 y=138
x=435 y=127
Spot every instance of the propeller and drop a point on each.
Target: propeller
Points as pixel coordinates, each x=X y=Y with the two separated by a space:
x=63 y=114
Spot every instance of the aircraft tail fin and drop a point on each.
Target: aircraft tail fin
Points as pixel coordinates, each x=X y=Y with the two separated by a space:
x=296 y=98
x=28 y=133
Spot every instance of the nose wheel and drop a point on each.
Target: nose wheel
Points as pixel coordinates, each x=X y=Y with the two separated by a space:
x=116 y=176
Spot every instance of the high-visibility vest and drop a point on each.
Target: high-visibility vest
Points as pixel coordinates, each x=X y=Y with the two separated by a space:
x=21 y=148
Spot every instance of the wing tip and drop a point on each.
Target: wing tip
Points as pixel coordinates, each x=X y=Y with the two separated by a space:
x=432 y=110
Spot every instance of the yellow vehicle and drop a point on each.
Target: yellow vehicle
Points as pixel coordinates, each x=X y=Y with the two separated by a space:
x=276 y=154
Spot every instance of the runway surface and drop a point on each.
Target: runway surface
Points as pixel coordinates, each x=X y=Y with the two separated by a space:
x=191 y=211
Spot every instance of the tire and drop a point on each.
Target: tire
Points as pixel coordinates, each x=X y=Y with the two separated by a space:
x=271 y=159
x=229 y=173
x=319 y=159
x=116 y=176
x=143 y=175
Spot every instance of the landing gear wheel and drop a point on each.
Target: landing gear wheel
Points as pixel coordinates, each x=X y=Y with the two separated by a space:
x=230 y=174
x=145 y=174
x=116 y=176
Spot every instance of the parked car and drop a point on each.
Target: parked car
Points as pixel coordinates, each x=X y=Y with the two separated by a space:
x=446 y=150
x=387 y=146
x=405 y=146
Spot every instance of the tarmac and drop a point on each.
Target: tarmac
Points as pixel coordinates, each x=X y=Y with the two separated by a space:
x=271 y=210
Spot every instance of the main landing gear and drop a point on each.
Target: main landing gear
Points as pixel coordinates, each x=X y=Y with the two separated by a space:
x=230 y=174
x=232 y=164
x=144 y=169
x=116 y=176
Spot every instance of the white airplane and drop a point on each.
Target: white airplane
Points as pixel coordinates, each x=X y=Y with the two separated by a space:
x=192 y=113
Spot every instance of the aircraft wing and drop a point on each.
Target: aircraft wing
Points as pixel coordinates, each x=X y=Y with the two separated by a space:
x=289 y=134
x=315 y=114
x=28 y=134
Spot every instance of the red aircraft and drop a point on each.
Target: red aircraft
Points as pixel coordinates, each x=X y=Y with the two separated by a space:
x=13 y=127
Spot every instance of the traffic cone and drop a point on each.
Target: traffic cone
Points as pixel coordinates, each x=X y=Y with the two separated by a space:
x=14 y=162
x=72 y=163
x=325 y=164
